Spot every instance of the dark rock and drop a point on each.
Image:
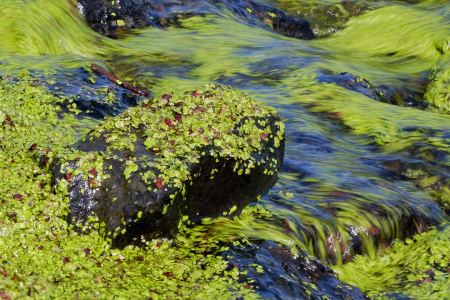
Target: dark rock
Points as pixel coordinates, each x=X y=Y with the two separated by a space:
x=384 y=93
x=268 y=16
x=111 y=17
x=286 y=276
x=93 y=94
x=142 y=171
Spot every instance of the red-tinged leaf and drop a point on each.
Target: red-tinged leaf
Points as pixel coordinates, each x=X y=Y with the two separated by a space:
x=159 y=183
x=235 y=266
x=65 y=260
x=93 y=183
x=68 y=177
x=93 y=171
x=178 y=104
x=2 y=222
x=3 y=272
x=4 y=296
x=156 y=150
x=199 y=109
x=178 y=117
x=158 y=245
x=47 y=218
x=116 y=275
x=168 y=274
x=171 y=142
x=196 y=94
x=264 y=136
x=168 y=122
x=248 y=286
x=18 y=197
x=46 y=160
x=78 y=158
x=217 y=134
x=33 y=147
x=146 y=106
x=166 y=97
x=375 y=230
x=41 y=247
x=28 y=194
x=97 y=280
x=87 y=251
x=207 y=140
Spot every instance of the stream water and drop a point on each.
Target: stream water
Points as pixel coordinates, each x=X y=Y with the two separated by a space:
x=358 y=174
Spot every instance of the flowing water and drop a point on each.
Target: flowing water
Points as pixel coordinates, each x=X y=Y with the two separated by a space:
x=344 y=193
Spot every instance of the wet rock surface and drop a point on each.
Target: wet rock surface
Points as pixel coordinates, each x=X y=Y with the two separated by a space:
x=140 y=172
x=90 y=94
x=110 y=18
x=383 y=93
x=285 y=276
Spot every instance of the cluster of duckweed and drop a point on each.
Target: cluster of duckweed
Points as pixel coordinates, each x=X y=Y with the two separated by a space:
x=43 y=258
x=418 y=268
x=176 y=127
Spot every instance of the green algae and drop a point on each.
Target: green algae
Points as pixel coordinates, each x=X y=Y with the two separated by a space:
x=43 y=258
x=417 y=268
x=438 y=90
x=358 y=50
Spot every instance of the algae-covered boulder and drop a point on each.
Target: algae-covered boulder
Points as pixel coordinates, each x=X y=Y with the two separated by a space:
x=202 y=153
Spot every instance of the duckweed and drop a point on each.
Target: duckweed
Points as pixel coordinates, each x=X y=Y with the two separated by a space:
x=175 y=127
x=43 y=258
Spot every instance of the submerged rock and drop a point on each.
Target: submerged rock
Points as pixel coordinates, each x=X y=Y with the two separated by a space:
x=384 y=93
x=434 y=180
x=283 y=275
x=203 y=153
x=110 y=17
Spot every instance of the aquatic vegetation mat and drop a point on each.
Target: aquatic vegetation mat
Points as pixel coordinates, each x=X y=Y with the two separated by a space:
x=417 y=268
x=43 y=257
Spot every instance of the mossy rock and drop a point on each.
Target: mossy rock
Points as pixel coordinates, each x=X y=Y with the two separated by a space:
x=203 y=153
